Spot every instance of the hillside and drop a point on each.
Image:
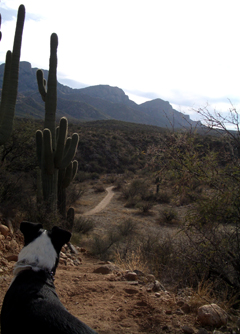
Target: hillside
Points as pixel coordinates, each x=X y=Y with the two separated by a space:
x=101 y=102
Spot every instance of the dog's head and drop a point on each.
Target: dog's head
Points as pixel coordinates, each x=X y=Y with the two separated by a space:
x=41 y=248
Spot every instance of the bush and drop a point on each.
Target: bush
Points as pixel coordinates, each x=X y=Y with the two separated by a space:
x=137 y=188
x=83 y=225
x=127 y=228
x=144 y=206
x=99 y=188
x=162 y=197
x=168 y=216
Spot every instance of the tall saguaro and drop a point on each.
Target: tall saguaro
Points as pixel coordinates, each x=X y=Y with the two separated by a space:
x=10 y=80
x=54 y=150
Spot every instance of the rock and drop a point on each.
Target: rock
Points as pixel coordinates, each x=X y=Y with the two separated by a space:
x=131 y=291
x=104 y=270
x=131 y=276
x=179 y=312
x=3 y=262
x=212 y=315
x=186 y=308
x=202 y=331
x=157 y=286
x=4 y=230
x=63 y=255
x=138 y=272
x=166 y=328
x=133 y=283
x=72 y=248
x=62 y=261
x=188 y=330
x=150 y=278
x=13 y=258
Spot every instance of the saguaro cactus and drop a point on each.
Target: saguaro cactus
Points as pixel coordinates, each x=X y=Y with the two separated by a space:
x=10 y=80
x=66 y=149
x=54 y=150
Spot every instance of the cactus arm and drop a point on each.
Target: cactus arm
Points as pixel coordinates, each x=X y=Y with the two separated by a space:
x=41 y=84
x=68 y=175
x=71 y=151
x=67 y=146
x=61 y=140
x=75 y=168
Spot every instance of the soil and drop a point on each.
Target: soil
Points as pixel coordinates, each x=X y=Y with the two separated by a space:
x=103 y=296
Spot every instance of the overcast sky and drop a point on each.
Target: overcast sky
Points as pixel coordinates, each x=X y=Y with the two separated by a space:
x=186 y=52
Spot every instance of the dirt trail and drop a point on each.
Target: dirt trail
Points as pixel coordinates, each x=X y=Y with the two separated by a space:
x=105 y=299
x=102 y=204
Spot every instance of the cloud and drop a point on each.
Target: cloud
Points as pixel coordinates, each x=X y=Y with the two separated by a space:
x=8 y=14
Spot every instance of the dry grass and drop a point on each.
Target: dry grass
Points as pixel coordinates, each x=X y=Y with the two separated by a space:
x=203 y=295
x=133 y=260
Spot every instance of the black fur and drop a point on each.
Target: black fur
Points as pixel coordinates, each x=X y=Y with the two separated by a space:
x=31 y=304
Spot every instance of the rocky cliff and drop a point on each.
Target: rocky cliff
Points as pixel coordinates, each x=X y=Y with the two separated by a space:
x=94 y=103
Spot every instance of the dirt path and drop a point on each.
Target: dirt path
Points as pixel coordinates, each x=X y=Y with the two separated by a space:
x=103 y=203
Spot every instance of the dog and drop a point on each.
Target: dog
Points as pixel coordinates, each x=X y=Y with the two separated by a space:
x=31 y=304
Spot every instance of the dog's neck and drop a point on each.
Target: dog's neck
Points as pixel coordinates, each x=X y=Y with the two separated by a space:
x=23 y=266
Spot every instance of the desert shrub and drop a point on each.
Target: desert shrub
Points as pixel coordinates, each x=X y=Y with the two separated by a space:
x=168 y=215
x=145 y=206
x=99 y=188
x=102 y=246
x=137 y=188
x=83 y=225
x=163 y=196
x=14 y=190
x=82 y=176
x=127 y=228
x=132 y=202
x=74 y=193
x=159 y=251
x=121 y=236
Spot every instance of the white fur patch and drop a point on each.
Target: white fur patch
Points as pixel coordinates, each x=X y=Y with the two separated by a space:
x=39 y=254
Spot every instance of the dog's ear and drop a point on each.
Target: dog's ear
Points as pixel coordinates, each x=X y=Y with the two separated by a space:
x=30 y=231
x=59 y=238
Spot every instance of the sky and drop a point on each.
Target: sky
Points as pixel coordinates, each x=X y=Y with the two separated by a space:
x=186 y=52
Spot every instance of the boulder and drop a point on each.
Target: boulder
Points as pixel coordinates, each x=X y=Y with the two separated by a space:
x=212 y=315
x=104 y=270
x=4 y=230
x=131 y=276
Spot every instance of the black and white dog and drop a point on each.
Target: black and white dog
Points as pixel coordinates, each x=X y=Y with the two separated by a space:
x=31 y=304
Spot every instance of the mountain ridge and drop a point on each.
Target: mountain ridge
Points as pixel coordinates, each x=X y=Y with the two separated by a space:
x=100 y=102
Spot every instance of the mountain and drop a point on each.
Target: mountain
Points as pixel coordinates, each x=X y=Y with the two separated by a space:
x=101 y=102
